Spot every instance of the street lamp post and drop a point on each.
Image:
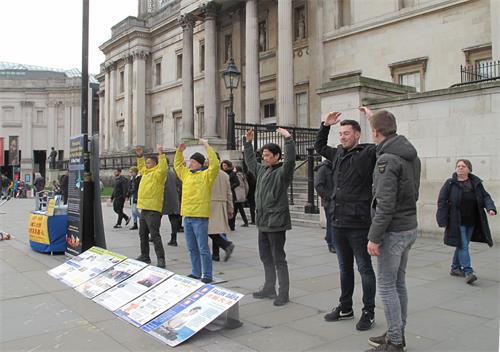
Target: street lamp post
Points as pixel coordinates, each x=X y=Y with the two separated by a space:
x=231 y=80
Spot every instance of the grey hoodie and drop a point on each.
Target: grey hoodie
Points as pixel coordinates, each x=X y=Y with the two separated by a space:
x=396 y=180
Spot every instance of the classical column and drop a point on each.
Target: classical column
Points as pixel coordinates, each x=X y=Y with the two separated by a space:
x=112 y=108
x=25 y=142
x=187 y=23
x=495 y=29
x=139 y=97
x=67 y=126
x=252 y=91
x=286 y=111
x=127 y=85
x=106 y=125
x=51 y=125
x=209 y=127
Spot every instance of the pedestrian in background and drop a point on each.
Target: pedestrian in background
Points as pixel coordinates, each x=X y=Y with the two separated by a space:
x=171 y=205
x=197 y=181
x=241 y=192
x=118 y=196
x=153 y=172
x=461 y=211
x=396 y=182
x=227 y=167
x=221 y=210
x=133 y=189
x=323 y=183
x=251 y=192
x=272 y=212
x=39 y=182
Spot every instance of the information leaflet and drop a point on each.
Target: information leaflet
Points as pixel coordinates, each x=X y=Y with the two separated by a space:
x=86 y=266
x=110 y=278
x=159 y=299
x=133 y=287
x=192 y=314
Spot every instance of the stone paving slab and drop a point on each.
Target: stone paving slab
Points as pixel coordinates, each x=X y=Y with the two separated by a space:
x=40 y=314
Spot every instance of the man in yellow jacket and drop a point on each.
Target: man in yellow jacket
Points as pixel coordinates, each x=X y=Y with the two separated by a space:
x=150 y=201
x=197 y=181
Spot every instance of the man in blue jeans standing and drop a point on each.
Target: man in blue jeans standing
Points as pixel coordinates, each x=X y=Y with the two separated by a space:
x=394 y=223
x=352 y=165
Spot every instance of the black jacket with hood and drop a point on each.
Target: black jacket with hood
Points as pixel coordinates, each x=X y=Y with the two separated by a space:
x=396 y=181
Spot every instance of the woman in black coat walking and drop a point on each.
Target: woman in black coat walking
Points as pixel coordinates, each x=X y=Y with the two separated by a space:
x=461 y=211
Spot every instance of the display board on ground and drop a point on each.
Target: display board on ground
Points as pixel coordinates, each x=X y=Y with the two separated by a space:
x=86 y=266
x=191 y=314
x=154 y=302
x=111 y=277
x=133 y=287
x=169 y=307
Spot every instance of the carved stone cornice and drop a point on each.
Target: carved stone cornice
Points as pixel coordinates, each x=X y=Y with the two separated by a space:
x=187 y=21
x=210 y=10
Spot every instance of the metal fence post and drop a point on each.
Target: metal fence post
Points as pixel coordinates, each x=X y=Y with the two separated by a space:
x=310 y=208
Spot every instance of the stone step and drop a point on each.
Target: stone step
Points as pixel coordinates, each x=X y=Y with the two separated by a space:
x=303 y=215
x=306 y=223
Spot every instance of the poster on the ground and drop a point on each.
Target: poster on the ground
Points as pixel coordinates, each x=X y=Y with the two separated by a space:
x=111 y=277
x=133 y=287
x=192 y=314
x=76 y=168
x=87 y=265
x=158 y=300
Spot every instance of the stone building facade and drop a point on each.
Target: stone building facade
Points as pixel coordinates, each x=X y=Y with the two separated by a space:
x=162 y=78
x=41 y=106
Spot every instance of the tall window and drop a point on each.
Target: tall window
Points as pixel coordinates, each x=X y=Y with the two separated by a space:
x=269 y=110
x=39 y=117
x=202 y=56
x=411 y=79
x=177 y=126
x=342 y=16
x=158 y=73
x=301 y=109
x=120 y=135
x=410 y=73
x=157 y=131
x=179 y=66
x=201 y=117
x=122 y=82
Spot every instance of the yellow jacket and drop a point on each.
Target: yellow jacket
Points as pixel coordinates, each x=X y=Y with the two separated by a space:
x=150 y=194
x=196 y=186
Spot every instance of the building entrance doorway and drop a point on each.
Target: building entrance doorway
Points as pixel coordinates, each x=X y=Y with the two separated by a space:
x=39 y=161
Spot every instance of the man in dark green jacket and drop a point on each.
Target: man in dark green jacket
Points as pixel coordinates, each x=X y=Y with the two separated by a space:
x=272 y=212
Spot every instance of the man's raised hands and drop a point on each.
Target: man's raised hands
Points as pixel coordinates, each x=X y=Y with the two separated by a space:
x=332 y=118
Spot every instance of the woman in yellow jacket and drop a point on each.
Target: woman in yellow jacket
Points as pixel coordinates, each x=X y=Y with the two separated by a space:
x=150 y=200
x=197 y=181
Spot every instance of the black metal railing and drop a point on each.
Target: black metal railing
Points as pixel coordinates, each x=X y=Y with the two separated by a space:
x=304 y=137
x=124 y=161
x=485 y=71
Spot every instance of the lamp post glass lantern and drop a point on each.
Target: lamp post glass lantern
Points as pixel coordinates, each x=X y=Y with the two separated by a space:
x=231 y=80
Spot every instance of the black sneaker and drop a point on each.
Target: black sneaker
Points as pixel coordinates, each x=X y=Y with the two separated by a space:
x=380 y=340
x=366 y=321
x=387 y=347
x=117 y=226
x=229 y=251
x=193 y=277
x=206 y=280
x=332 y=249
x=457 y=272
x=143 y=258
x=172 y=243
x=470 y=278
x=216 y=258
x=337 y=314
x=281 y=300
x=161 y=263
x=134 y=227
x=264 y=294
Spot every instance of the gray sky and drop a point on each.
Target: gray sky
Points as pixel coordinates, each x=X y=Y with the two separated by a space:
x=49 y=32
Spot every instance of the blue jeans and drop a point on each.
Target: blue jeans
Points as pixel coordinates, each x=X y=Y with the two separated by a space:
x=329 y=229
x=196 y=232
x=461 y=258
x=350 y=244
x=136 y=214
x=391 y=278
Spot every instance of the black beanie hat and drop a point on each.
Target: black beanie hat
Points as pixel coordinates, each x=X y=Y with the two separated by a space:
x=198 y=157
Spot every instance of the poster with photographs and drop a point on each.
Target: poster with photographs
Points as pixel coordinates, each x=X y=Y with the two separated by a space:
x=87 y=265
x=13 y=150
x=159 y=299
x=192 y=314
x=132 y=288
x=111 y=277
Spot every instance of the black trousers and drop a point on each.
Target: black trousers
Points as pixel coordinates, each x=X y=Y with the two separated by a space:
x=273 y=257
x=219 y=241
x=175 y=223
x=149 y=223
x=238 y=207
x=118 y=208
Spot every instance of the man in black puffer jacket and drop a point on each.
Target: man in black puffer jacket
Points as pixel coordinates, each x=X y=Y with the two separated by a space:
x=353 y=165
